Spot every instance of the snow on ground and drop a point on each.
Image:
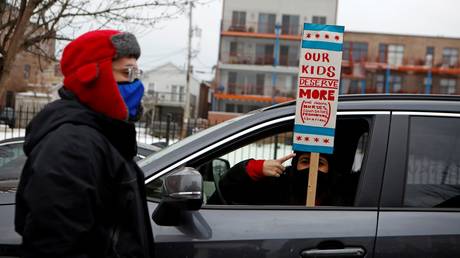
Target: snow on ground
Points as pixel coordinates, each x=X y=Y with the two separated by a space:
x=142 y=136
x=7 y=133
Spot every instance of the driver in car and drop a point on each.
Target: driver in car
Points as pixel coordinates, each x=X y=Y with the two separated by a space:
x=268 y=182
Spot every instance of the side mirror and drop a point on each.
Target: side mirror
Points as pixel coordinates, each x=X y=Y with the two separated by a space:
x=182 y=191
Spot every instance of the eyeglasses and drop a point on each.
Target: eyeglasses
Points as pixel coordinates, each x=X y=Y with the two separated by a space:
x=131 y=72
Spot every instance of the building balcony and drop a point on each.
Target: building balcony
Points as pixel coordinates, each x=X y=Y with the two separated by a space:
x=237 y=58
x=167 y=99
x=251 y=98
x=261 y=30
x=412 y=65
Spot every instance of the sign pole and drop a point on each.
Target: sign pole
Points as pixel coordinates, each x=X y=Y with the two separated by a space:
x=312 y=179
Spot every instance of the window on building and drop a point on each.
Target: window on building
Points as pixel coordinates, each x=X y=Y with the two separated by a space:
x=433 y=166
x=266 y=23
x=238 y=21
x=450 y=56
x=26 y=71
x=395 y=54
x=355 y=51
x=229 y=107
x=264 y=54
x=284 y=55
x=395 y=83
x=233 y=48
x=231 y=85
x=239 y=108
x=319 y=19
x=355 y=87
x=429 y=57
x=383 y=53
x=260 y=84
x=293 y=55
x=289 y=55
x=293 y=86
x=448 y=86
x=182 y=94
x=380 y=83
x=177 y=93
x=290 y=24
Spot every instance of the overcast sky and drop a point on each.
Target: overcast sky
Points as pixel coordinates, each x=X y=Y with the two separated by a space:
x=168 y=41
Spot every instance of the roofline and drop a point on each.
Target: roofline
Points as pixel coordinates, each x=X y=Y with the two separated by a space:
x=155 y=69
x=374 y=97
x=432 y=97
x=402 y=35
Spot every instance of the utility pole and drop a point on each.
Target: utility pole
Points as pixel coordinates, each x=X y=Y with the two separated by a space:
x=275 y=61
x=189 y=68
x=274 y=78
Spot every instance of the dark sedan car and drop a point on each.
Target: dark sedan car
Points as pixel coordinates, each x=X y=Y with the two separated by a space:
x=398 y=158
x=12 y=159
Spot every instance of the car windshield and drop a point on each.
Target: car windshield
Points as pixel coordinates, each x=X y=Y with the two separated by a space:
x=188 y=140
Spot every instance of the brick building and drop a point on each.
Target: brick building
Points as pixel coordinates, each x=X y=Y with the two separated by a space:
x=30 y=71
x=388 y=63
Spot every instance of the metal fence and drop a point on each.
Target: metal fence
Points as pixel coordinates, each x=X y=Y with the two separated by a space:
x=167 y=131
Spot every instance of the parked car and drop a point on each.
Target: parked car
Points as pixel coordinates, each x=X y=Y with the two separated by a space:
x=399 y=156
x=12 y=159
x=7 y=116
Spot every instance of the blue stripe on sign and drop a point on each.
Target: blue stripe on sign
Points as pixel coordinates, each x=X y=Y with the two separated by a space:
x=322 y=45
x=311 y=148
x=313 y=130
x=323 y=27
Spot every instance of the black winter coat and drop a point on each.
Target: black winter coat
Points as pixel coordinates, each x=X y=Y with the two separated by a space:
x=80 y=193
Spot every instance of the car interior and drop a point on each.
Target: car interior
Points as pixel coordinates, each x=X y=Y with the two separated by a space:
x=351 y=141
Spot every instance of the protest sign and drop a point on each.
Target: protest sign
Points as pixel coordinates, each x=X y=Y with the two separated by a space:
x=318 y=88
x=317 y=95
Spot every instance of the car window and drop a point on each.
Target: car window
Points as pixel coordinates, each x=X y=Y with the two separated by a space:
x=12 y=159
x=433 y=166
x=351 y=142
x=187 y=140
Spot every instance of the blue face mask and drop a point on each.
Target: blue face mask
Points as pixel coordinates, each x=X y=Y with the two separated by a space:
x=132 y=93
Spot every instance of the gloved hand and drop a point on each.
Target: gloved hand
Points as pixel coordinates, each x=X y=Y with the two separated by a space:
x=275 y=167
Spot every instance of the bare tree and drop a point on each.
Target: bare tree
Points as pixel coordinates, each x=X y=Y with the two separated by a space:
x=30 y=25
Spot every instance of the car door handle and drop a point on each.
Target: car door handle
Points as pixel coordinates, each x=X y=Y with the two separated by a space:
x=343 y=252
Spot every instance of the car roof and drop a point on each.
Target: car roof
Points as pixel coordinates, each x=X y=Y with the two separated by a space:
x=393 y=102
x=12 y=140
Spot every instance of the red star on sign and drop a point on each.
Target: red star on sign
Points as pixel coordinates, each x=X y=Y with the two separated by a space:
x=317 y=36
x=337 y=37
x=309 y=35
x=306 y=138
x=299 y=138
x=327 y=36
x=326 y=140
x=316 y=139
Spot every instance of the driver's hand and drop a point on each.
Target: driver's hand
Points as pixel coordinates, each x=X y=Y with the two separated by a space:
x=275 y=167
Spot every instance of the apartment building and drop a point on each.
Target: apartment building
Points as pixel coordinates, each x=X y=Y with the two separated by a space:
x=387 y=63
x=259 y=50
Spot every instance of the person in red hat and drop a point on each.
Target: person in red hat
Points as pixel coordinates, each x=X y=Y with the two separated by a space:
x=80 y=193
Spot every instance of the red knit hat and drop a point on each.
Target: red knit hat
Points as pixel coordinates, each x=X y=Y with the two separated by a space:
x=86 y=64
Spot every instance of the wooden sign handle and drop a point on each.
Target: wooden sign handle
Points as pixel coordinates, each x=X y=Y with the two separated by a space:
x=312 y=179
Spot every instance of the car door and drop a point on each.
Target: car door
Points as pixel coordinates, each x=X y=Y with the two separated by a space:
x=420 y=213
x=12 y=159
x=284 y=231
